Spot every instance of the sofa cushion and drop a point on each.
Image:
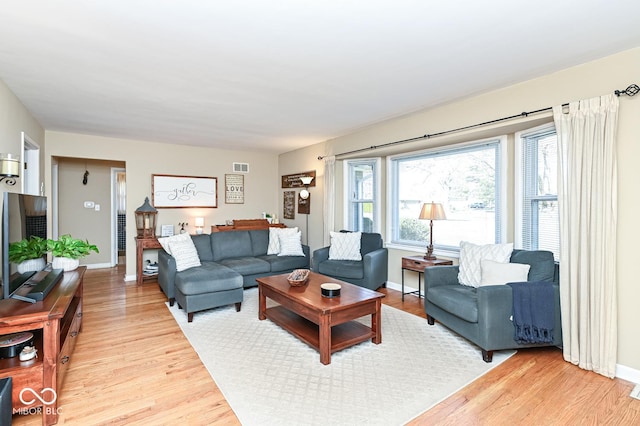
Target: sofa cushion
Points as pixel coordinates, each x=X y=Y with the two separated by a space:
x=541 y=261
x=459 y=300
x=497 y=273
x=369 y=242
x=285 y=263
x=203 y=246
x=231 y=245
x=345 y=246
x=470 y=272
x=342 y=268
x=208 y=278
x=247 y=265
x=259 y=241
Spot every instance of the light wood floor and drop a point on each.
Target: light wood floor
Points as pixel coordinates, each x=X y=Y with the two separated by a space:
x=132 y=365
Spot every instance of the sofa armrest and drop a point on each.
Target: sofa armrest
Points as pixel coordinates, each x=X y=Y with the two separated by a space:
x=319 y=255
x=166 y=273
x=435 y=276
x=376 y=265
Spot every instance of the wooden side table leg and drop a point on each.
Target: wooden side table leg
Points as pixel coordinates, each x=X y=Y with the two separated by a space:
x=325 y=340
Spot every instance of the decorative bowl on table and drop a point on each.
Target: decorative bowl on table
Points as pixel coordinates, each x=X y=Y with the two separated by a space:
x=298 y=277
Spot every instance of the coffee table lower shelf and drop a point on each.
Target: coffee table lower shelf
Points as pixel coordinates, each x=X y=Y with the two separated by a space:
x=342 y=335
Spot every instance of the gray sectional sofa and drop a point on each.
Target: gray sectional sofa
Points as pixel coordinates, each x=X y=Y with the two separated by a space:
x=231 y=261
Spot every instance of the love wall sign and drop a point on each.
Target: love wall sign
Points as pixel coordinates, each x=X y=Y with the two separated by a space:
x=234 y=189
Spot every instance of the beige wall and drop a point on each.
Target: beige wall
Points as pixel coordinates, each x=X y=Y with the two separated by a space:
x=73 y=217
x=142 y=159
x=15 y=119
x=585 y=81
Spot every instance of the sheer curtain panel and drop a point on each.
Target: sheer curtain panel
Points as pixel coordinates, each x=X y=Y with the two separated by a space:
x=587 y=198
x=329 y=197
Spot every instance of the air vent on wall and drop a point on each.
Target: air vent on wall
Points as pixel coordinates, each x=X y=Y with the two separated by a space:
x=241 y=167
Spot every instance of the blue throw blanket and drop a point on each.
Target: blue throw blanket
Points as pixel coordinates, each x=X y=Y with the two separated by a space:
x=533 y=312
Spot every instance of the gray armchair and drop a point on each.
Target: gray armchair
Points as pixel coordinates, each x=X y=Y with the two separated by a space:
x=483 y=315
x=371 y=272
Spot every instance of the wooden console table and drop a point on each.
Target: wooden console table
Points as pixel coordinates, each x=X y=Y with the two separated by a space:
x=247 y=225
x=417 y=264
x=141 y=245
x=55 y=323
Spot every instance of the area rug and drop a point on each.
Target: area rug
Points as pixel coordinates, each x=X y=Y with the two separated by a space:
x=269 y=377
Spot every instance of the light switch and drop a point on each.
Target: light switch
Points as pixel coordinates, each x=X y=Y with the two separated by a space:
x=89 y=204
x=97 y=207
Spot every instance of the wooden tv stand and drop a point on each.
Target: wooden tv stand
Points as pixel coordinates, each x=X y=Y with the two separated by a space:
x=55 y=323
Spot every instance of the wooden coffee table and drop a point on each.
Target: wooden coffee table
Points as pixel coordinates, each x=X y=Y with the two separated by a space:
x=326 y=324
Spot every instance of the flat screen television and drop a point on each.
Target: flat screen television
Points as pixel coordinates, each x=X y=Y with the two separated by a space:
x=24 y=216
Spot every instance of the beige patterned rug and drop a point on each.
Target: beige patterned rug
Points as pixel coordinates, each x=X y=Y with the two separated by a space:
x=269 y=377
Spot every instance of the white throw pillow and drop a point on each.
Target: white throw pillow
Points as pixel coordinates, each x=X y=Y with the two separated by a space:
x=182 y=249
x=345 y=246
x=471 y=255
x=274 y=242
x=496 y=273
x=290 y=244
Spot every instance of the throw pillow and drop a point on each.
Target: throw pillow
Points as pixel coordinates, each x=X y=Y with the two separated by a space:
x=345 y=246
x=182 y=249
x=290 y=244
x=274 y=242
x=471 y=255
x=496 y=273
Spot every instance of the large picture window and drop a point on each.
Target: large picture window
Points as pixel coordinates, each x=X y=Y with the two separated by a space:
x=466 y=179
x=362 y=195
x=538 y=227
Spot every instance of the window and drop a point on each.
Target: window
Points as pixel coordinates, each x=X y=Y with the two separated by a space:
x=466 y=179
x=362 y=195
x=538 y=191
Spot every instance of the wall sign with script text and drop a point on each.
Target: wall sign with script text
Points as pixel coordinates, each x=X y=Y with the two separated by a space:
x=234 y=189
x=184 y=191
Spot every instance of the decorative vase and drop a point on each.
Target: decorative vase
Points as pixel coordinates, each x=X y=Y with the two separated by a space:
x=65 y=263
x=31 y=265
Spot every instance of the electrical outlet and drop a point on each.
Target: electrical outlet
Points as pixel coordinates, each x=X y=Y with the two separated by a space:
x=635 y=393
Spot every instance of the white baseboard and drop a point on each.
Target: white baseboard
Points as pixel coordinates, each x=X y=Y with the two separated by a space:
x=398 y=287
x=99 y=265
x=130 y=277
x=627 y=373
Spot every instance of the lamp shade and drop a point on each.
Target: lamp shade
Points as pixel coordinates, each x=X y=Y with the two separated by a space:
x=306 y=180
x=9 y=165
x=199 y=222
x=432 y=211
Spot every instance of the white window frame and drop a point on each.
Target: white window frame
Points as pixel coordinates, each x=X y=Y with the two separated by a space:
x=441 y=250
x=348 y=190
x=519 y=166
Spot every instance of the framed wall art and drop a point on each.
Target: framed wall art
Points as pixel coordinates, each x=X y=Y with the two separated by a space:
x=289 y=207
x=234 y=189
x=184 y=191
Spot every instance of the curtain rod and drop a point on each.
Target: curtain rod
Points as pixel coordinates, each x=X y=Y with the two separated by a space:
x=631 y=90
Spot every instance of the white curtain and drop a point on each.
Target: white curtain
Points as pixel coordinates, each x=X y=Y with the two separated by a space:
x=329 y=197
x=587 y=197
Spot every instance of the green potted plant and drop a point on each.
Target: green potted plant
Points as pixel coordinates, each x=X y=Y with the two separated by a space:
x=67 y=251
x=29 y=254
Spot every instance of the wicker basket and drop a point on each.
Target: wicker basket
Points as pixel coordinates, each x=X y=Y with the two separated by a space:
x=298 y=277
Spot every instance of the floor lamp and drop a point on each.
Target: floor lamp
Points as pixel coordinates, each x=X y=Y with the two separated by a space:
x=304 y=194
x=432 y=211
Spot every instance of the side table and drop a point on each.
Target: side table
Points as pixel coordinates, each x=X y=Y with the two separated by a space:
x=141 y=245
x=417 y=264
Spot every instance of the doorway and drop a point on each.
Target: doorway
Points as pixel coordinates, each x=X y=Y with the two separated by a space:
x=119 y=185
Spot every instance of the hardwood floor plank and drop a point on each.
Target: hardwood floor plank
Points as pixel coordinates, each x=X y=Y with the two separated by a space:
x=133 y=365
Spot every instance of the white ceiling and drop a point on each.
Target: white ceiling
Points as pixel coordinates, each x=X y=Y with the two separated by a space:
x=281 y=74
